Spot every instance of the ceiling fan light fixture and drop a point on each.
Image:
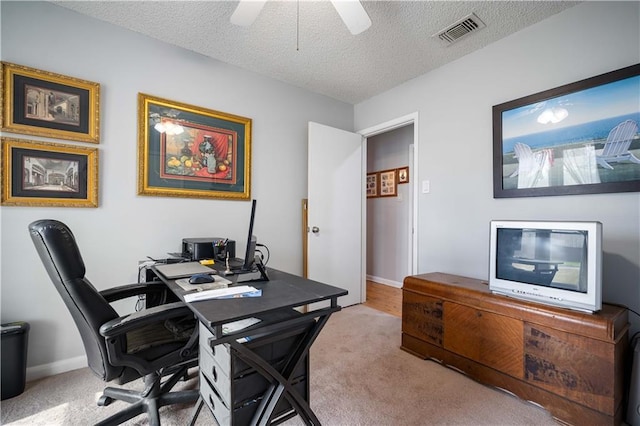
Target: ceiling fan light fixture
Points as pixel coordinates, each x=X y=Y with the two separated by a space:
x=247 y=12
x=353 y=15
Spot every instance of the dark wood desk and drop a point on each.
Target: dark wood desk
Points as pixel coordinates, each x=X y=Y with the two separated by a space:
x=276 y=308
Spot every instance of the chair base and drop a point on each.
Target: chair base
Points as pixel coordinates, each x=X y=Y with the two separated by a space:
x=154 y=396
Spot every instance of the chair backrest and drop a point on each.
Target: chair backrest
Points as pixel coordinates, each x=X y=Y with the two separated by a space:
x=620 y=138
x=522 y=150
x=61 y=257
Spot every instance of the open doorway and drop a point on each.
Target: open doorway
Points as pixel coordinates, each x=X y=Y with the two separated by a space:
x=390 y=222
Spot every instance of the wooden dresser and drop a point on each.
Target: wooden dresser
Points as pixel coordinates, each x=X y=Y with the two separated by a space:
x=573 y=364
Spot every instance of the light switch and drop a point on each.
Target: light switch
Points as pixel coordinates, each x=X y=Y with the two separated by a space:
x=426 y=186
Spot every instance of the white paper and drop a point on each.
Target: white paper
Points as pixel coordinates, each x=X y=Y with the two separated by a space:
x=217 y=293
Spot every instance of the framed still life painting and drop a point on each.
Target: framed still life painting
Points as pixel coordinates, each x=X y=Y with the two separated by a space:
x=47 y=174
x=190 y=151
x=42 y=103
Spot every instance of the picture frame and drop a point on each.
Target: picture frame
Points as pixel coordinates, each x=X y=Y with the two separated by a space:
x=372 y=185
x=190 y=151
x=43 y=103
x=403 y=175
x=40 y=174
x=388 y=183
x=580 y=138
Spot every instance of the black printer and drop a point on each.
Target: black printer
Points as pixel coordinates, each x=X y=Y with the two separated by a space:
x=208 y=248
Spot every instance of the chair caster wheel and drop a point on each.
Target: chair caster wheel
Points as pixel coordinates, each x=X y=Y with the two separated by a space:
x=105 y=400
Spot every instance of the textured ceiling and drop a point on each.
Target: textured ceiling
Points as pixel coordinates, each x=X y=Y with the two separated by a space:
x=306 y=43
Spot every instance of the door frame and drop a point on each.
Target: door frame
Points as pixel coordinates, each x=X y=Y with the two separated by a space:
x=413 y=232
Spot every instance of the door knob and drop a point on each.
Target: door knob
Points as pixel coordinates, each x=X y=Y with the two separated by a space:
x=315 y=229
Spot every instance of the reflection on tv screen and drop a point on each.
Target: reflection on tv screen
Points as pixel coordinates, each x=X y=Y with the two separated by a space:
x=552 y=258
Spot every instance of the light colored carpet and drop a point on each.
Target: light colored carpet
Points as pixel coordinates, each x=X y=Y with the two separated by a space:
x=359 y=376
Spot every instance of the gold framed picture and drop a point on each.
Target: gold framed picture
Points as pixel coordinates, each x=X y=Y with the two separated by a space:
x=47 y=174
x=189 y=151
x=42 y=103
x=388 y=183
x=372 y=185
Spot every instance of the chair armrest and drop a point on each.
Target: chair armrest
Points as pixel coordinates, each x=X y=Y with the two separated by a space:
x=120 y=326
x=129 y=290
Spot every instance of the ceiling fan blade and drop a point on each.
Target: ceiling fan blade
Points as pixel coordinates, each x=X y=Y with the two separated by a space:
x=353 y=15
x=247 y=12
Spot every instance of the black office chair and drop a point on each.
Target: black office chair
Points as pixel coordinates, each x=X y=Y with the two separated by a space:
x=157 y=342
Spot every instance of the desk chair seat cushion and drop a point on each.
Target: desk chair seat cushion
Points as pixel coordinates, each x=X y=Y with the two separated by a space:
x=142 y=340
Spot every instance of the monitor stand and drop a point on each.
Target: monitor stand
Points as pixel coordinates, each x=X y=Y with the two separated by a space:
x=259 y=275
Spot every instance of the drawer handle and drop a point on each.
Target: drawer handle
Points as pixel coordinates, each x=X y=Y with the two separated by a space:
x=213 y=406
x=214 y=372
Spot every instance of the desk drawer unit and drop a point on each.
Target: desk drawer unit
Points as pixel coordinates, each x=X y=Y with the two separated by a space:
x=232 y=389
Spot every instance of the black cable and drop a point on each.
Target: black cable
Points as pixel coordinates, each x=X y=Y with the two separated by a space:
x=264 y=262
x=620 y=305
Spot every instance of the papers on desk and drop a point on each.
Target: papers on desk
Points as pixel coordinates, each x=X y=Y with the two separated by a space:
x=223 y=293
x=239 y=325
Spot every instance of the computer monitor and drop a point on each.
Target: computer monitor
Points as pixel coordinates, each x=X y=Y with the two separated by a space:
x=251 y=242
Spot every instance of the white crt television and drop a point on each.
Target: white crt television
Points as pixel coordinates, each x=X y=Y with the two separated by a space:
x=555 y=263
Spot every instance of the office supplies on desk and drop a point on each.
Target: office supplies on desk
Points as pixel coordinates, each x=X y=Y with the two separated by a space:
x=223 y=293
x=218 y=283
x=201 y=279
x=182 y=270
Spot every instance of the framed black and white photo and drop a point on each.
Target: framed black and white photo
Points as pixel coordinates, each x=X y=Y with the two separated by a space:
x=43 y=103
x=47 y=174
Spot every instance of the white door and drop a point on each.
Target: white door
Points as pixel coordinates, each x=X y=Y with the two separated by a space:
x=335 y=197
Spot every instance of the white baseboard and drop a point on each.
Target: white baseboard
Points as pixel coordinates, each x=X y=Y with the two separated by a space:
x=384 y=281
x=45 y=370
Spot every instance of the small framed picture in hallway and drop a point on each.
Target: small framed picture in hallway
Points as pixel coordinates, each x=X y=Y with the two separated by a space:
x=388 y=183
x=403 y=175
x=372 y=185
x=47 y=174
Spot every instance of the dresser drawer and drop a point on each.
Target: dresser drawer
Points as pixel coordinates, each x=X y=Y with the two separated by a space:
x=217 y=376
x=221 y=354
x=218 y=408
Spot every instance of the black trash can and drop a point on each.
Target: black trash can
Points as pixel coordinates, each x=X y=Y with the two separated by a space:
x=15 y=336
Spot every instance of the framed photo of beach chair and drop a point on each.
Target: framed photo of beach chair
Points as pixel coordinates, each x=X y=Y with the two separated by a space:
x=580 y=138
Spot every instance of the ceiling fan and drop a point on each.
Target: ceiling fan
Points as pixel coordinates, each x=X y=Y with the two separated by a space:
x=351 y=12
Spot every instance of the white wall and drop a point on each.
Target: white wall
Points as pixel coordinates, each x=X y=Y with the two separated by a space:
x=388 y=218
x=455 y=141
x=127 y=227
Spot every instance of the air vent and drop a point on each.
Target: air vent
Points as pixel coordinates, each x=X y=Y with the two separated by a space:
x=460 y=29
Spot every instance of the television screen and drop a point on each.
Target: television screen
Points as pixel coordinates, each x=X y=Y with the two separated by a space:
x=547 y=257
x=553 y=262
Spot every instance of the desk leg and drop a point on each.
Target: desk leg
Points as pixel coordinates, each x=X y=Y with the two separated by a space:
x=281 y=383
x=196 y=410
